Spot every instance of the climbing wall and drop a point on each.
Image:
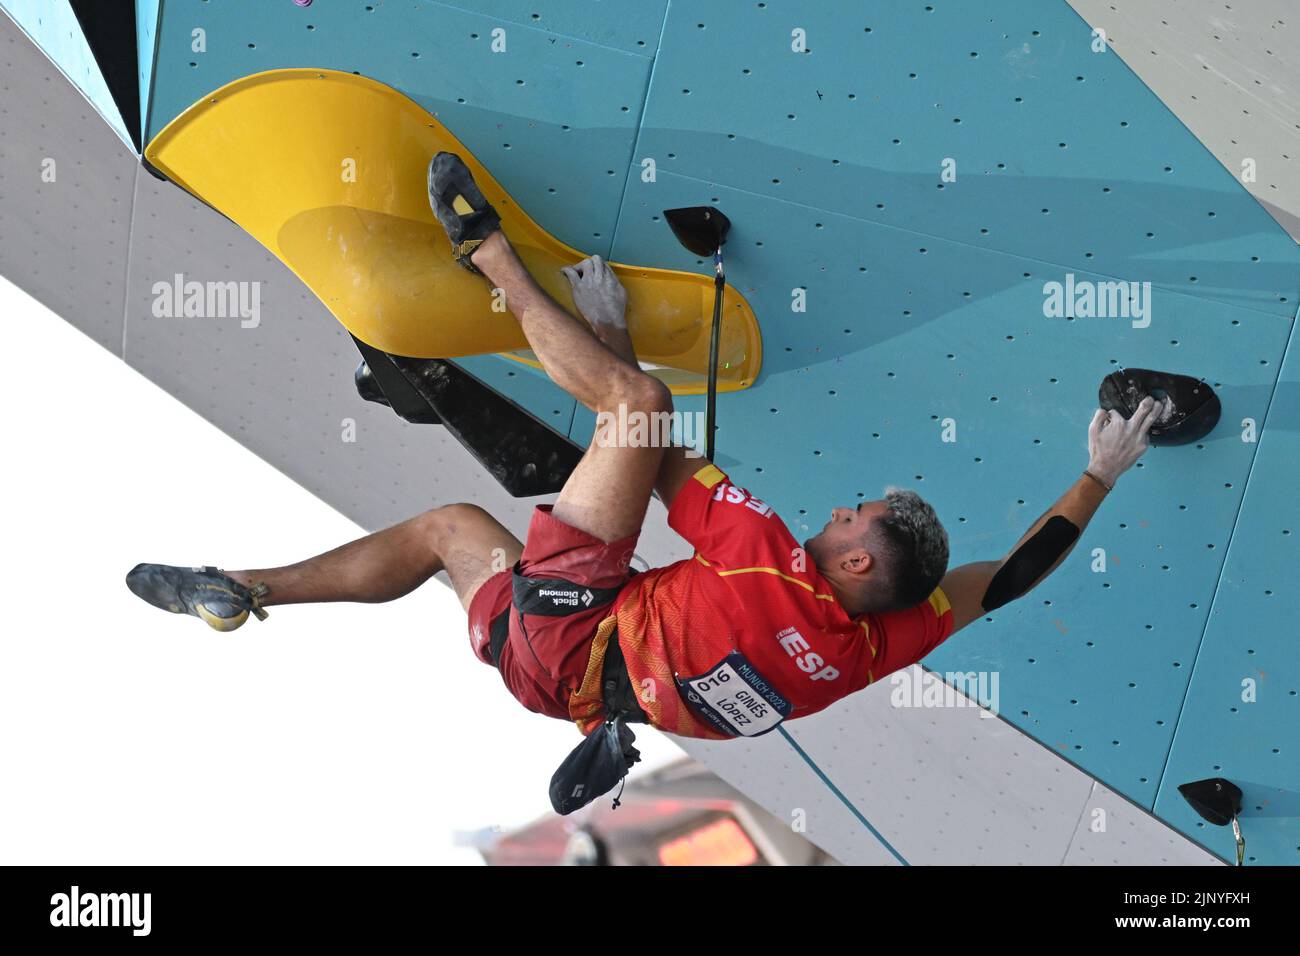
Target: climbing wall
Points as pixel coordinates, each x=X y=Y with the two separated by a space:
x=904 y=179
x=925 y=308
x=53 y=26
x=146 y=19
x=553 y=117
x=1231 y=73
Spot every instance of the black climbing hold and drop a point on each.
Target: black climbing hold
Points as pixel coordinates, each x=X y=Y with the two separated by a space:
x=1216 y=800
x=701 y=229
x=1196 y=408
x=526 y=456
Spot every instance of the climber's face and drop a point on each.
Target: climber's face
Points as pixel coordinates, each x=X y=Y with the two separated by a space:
x=844 y=538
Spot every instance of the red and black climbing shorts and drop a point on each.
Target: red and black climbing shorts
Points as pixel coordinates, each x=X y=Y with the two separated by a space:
x=535 y=622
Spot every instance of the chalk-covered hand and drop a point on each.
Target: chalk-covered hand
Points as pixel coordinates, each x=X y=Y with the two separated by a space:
x=1115 y=444
x=597 y=293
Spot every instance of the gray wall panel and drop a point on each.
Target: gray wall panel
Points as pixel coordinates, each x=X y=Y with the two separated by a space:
x=283 y=387
x=1230 y=72
x=1112 y=831
x=945 y=785
x=63 y=242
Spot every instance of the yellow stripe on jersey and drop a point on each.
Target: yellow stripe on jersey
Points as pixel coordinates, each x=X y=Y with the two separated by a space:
x=866 y=629
x=785 y=577
x=939 y=601
x=866 y=632
x=709 y=475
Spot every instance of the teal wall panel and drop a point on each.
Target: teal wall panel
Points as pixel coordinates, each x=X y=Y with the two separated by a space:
x=925 y=303
x=146 y=28
x=1061 y=154
x=555 y=122
x=629 y=25
x=557 y=134
x=854 y=395
x=1242 y=711
x=54 y=28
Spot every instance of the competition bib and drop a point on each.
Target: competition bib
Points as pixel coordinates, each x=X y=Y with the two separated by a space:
x=735 y=698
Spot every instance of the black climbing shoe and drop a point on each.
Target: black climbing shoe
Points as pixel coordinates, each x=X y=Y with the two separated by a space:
x=206 y=593
x=461 y=208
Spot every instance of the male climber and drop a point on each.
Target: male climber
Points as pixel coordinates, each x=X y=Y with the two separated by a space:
x=753 y=629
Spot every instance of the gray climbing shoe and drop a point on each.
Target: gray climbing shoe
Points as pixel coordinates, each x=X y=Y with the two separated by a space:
x=206 y=593
x=461 y=208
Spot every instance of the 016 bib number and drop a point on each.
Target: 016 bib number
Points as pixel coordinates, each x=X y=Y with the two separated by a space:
x=735 y=698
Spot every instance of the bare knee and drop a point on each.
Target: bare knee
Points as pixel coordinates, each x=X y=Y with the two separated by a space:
x=446 y=522
x=640 y=392
x=469 y=544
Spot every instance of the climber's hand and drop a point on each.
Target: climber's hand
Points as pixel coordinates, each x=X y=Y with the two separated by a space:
x=597 y=293
x=1114 y=444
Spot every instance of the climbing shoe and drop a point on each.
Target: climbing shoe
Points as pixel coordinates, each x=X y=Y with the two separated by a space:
x=206 y=593
x=461 y=208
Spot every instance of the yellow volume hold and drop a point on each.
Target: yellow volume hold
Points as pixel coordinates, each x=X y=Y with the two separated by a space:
x=328 y=171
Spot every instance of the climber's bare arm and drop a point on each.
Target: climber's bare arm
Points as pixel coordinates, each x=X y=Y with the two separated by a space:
x=1113 y=445
x=618 y=341
x=970 y=588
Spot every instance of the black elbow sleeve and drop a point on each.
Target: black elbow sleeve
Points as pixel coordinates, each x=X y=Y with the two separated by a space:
x=1030 y=562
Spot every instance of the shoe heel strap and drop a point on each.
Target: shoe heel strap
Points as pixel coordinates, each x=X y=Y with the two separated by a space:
x=462 y=251
x=257 y=592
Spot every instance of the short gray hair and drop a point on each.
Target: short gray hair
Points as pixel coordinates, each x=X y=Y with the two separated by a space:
x=913 y=545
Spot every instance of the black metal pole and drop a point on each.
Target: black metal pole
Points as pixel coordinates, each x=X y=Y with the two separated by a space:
x=711 y=405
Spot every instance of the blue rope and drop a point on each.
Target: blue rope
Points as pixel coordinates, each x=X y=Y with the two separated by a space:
x=843 y=799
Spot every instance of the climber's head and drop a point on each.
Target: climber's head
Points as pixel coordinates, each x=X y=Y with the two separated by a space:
x=882 y=555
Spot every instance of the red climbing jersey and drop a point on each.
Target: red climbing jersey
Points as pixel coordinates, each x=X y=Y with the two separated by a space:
x=747 y=633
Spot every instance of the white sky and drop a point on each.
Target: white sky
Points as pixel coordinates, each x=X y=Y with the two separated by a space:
x=326 y=734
